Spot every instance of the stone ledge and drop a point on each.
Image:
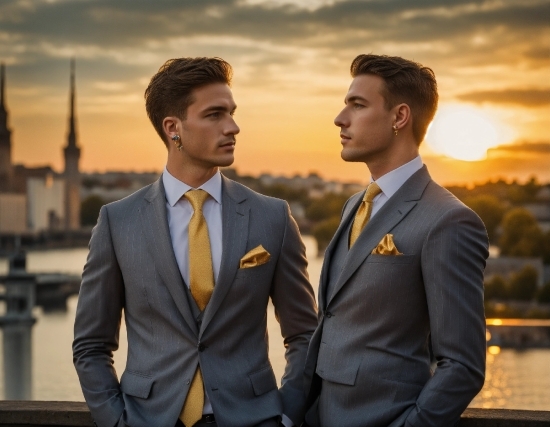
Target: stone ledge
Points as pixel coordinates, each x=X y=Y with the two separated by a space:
x=29 y=413
x=19 y=413
x=474 y=417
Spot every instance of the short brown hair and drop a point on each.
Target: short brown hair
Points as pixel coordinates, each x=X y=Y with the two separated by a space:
x=405 y=82
x=170 y=90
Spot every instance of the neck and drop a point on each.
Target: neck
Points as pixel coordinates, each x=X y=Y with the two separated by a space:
x=190 y=174
x=382 y=165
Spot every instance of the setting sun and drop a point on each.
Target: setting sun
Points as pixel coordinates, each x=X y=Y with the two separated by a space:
x=462 y=132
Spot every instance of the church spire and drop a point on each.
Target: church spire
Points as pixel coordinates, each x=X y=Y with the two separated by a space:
x=71 y=150
x=2 y=82
x=3 y=111
x=6 y=169
x=72 y=172
x=71 y=140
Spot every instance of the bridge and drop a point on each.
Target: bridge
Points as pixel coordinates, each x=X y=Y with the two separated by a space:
x=50 y=290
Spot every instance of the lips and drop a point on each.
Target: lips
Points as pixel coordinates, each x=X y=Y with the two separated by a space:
x=344 y=137
x=228 y=143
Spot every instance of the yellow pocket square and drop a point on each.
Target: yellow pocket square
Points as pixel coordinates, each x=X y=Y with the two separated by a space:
x=386 y=246
x=255 y=257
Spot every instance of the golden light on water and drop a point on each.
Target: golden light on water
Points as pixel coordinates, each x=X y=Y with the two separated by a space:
x=462 y=133
x=494 y=349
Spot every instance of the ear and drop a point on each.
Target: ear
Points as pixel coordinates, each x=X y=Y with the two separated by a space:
x=402 y=115
x=171 y=126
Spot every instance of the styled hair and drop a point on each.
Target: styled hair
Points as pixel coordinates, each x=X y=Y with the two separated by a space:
x=170 y=90
x=405 y=82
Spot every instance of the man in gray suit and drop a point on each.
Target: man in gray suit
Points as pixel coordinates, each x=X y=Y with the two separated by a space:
x=402 y=281
x=193 y=260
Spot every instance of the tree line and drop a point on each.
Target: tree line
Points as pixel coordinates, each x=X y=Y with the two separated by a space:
x=499 y=204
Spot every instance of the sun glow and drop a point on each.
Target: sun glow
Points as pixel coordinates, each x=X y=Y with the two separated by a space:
x=462 y=132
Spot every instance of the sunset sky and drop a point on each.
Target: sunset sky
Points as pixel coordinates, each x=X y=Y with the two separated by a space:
x=291 y=72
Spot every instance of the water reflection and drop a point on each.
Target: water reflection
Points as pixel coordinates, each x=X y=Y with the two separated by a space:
x=493 y=350
x=516 y=379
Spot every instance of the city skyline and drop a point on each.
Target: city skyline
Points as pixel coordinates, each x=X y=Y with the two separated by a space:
x=291 y=72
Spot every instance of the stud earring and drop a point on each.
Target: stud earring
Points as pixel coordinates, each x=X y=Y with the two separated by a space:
x=177 y=141
x=395 y=130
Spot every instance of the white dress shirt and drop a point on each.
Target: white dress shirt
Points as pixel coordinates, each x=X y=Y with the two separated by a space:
x=392 y=181
x=179 y=212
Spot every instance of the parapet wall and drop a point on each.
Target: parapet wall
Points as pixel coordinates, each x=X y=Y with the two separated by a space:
x=76 y=414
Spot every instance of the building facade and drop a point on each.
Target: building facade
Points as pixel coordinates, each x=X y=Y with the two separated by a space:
x=46 y=204
x=13 y=213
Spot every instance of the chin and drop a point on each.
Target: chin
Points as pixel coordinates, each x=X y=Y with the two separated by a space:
x=350 y=156
x=225 y=161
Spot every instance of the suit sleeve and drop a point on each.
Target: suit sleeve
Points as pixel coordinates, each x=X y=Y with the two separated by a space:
x=97 y=326
x=453 y=260
x=296 y=312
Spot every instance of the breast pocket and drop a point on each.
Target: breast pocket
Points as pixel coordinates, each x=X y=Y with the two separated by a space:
x=385 y=276
x=261 y=272
x=391 y=259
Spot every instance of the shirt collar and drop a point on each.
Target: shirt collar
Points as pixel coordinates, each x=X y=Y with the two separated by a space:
x=392 y=181
x=175 y=189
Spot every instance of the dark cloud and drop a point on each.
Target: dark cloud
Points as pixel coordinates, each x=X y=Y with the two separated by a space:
x=524 y=97
x=539 y=53
x=542 y=147
x=110 y=23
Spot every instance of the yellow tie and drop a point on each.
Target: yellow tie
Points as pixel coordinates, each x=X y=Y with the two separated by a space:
x=201 y=284
x=363 y=213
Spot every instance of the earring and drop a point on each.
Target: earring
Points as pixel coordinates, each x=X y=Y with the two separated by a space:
x=395 y=130
x=177 y=141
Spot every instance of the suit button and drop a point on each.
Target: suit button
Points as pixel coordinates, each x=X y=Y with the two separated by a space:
x=202 y=347
x=329 y=314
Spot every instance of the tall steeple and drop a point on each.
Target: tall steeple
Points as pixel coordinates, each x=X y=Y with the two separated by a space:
x=72 y=156
x=6 y=168
x=71 y=151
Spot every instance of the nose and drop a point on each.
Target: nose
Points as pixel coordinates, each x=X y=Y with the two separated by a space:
x=232 y=128
x=340 y=120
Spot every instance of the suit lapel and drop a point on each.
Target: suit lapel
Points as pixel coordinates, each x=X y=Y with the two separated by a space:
x=235 y=217
x=347 y=216
x=393 y=212
x=154 y=223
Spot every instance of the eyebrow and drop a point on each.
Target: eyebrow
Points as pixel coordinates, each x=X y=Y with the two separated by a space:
x=221 y=108
x=354 y=98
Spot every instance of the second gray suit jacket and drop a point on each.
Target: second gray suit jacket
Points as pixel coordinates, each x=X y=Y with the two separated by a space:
x=369 y=362
x=131 y=267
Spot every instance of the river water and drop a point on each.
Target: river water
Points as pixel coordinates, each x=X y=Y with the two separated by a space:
x=514 y=379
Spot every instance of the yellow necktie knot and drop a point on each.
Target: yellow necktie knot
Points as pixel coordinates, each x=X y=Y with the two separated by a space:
x=363 y=213
x=196 y=198
x=373 y=190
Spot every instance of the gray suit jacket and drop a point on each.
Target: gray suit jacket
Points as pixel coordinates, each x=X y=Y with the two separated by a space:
x=131 y=266
x=389 y=316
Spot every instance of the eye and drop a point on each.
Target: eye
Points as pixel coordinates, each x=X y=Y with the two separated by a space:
x=214 y=115
x=357 y=106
